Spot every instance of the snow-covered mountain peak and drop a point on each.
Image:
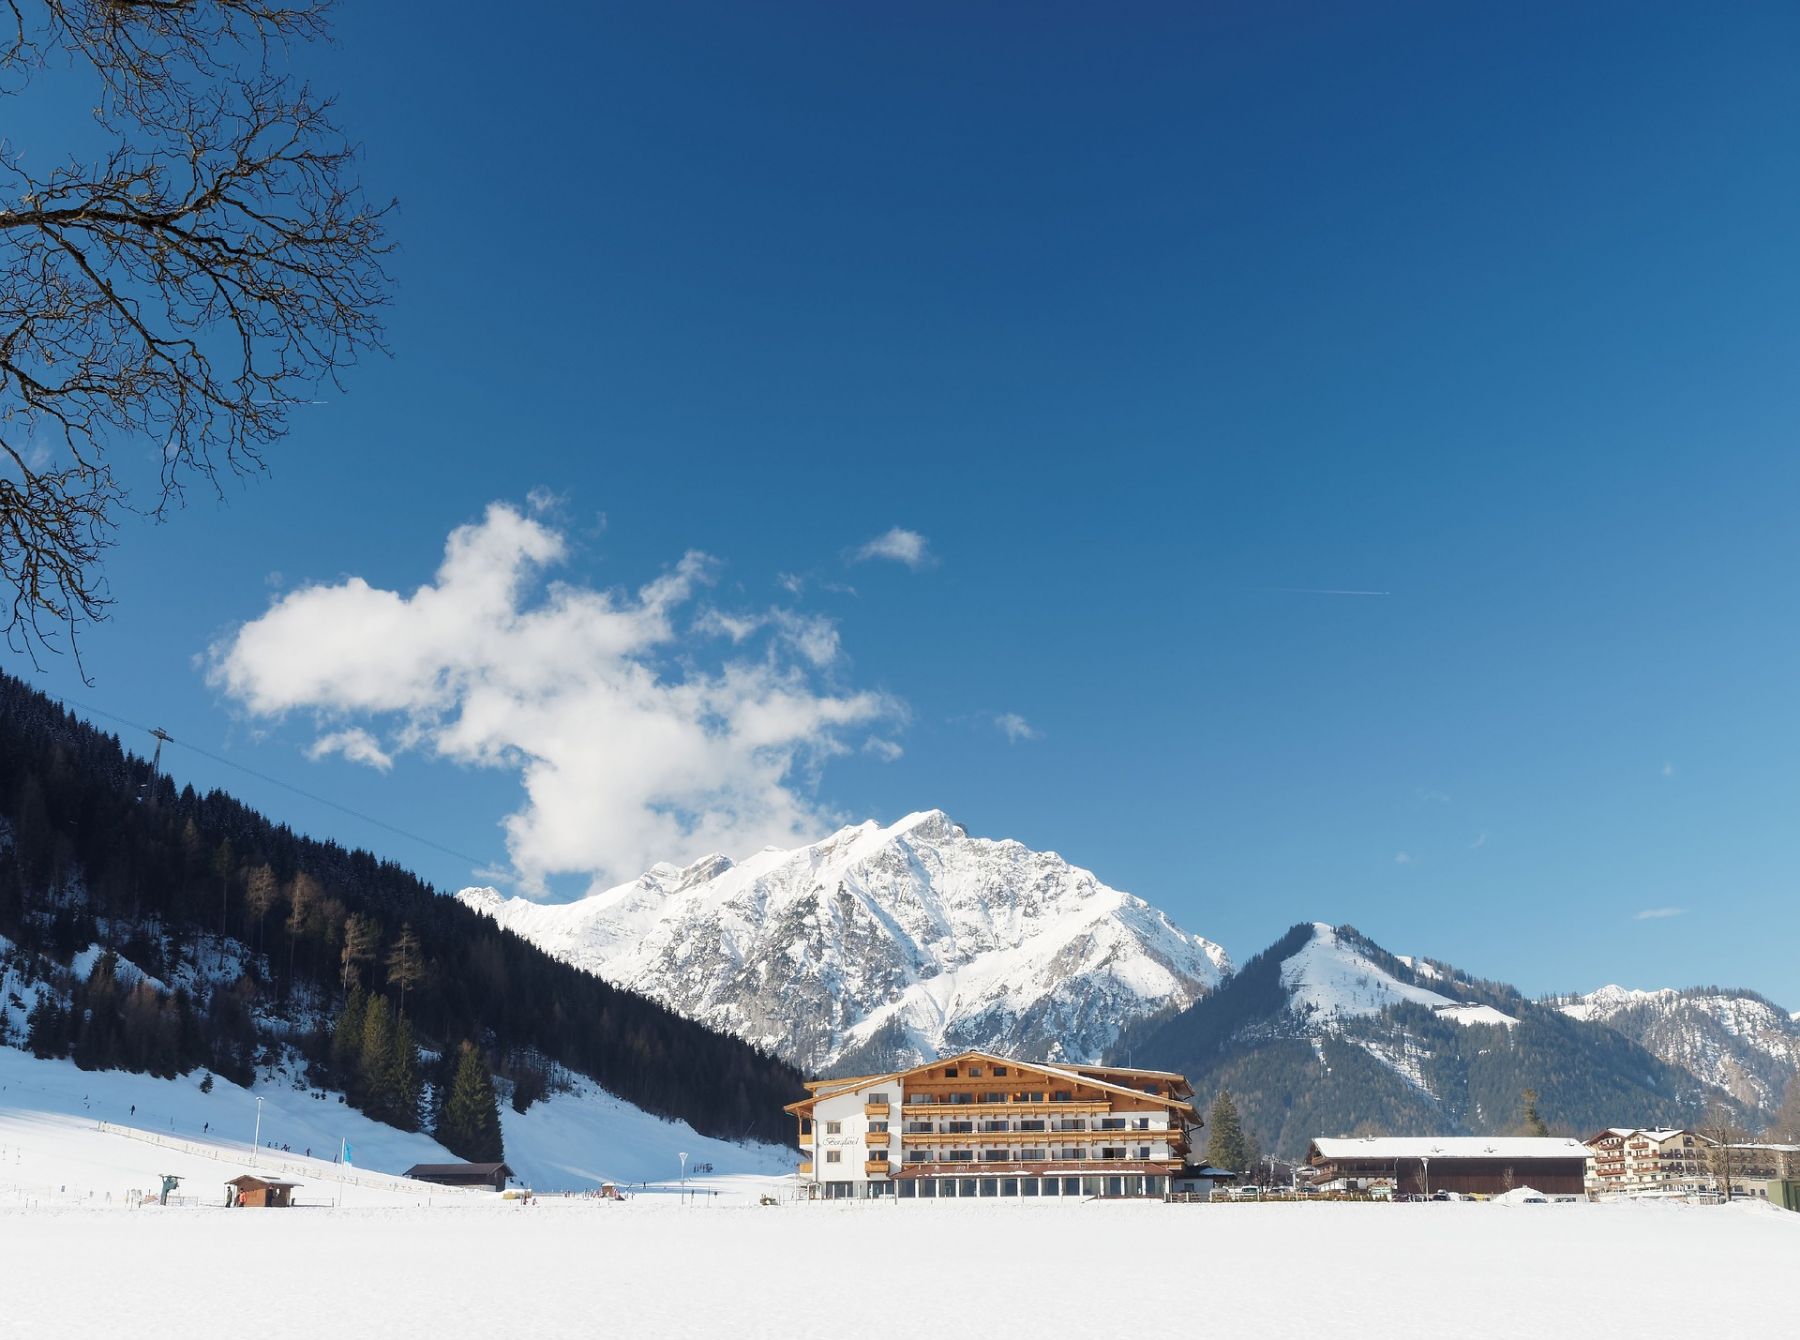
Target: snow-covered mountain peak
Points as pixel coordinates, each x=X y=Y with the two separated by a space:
x=1733 y=1040
x=886 y=943
x=1331 y=978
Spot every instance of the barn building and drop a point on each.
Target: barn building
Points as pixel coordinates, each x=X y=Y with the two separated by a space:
x=491 y=1175
x=259 y=1193
x=1473 y=1165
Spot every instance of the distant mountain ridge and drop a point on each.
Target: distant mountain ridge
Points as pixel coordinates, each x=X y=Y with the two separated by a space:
x=1735 y=1040
x=1327 y=1033
x=884 y=945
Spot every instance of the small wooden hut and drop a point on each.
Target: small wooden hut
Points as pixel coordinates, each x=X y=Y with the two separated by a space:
x=259 y=1193
x=493 y=1175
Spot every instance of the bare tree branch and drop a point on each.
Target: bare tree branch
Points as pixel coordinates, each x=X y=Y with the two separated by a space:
x=216 y=264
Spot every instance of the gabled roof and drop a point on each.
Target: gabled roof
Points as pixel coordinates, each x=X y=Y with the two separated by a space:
x=248 y=1180
x=1073 y=1074
x=456 y=1170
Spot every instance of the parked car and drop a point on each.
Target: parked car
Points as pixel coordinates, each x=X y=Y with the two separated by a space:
x=1246 y=1193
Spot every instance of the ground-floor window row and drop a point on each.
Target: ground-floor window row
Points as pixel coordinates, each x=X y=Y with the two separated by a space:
x=952 y=1188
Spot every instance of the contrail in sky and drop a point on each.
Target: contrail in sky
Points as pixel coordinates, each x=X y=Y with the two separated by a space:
x=1325 y=591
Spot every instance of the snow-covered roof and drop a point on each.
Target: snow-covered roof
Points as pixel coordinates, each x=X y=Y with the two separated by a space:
x=1449 y=1147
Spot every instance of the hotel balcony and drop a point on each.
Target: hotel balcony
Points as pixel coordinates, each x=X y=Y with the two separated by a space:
x=876 y=1111
x=876 y=1168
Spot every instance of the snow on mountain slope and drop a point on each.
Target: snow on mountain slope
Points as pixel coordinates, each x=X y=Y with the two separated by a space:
x=1330 y=979
x=1731 y=1040
x=883 y=945
x=568 y=1141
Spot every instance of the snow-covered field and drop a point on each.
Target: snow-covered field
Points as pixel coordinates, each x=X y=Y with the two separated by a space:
x=654 y=1267
x=368 y=1254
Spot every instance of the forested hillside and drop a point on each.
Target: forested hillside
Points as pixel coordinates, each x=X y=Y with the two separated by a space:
x=162 y=930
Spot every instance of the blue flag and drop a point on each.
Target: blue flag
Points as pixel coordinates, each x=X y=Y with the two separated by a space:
x=347 y=1158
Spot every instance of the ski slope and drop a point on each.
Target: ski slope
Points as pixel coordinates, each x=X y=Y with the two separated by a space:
x=50 y=1112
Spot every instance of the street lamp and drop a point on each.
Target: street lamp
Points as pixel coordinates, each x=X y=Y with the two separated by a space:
x=683 y=1157
x=256 y=1144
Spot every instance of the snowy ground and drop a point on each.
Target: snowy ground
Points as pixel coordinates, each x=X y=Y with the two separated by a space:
x=367 y=1254
x=49 y=1110
x=654 y=1267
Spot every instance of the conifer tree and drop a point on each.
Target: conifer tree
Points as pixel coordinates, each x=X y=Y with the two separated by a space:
x=1227 y=1146
x=376 y=1063
x=469 y=1119
x=404 y=964
x=361 y=936
x=260 y=890
x=404 y=1086
x=346 y=1041
x=1533 y=1123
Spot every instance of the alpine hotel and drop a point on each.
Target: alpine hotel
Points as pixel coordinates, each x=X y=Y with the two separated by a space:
x=983 y=1125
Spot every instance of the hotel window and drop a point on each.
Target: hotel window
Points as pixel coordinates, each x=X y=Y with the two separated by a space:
x=1031 y=1156
x=960 y=1098
x=834 y=1156
x=878 y=1128
x=993 y=1125
x=999 y=1072
x=1111 y=1124
x=960 y=1155
x=993 y=1098
x=1062 y=1096
x=879 y=1099
x=1071 y=1152
x=917 y=1155
x=834 y=1128
x=878 y=1156
x=949 y=1072
x=1071 y=1186
x=994 y=1156
x=1143 y=1123
x=1028 y=1098
x=958 y=1127
x=974 y=1072
x=1143 y=1151
x=1112 y=1152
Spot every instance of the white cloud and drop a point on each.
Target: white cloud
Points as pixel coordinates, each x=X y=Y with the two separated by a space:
x=1658 y=913
x=810 y=635
x=791 y=582
x=885 y=750
x=900 y=545
x=355 y=744
x=628 y=748
x=1403 y=858
x=1668 y=769
x=1478 y=843
x=1016 y=728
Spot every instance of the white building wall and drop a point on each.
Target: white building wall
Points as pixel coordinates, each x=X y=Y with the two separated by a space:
x=852 y=1138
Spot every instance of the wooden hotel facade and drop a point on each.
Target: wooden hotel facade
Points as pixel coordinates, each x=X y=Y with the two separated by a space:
x=979 y=1125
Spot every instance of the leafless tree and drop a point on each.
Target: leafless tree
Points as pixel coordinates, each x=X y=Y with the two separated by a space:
x=169 y=297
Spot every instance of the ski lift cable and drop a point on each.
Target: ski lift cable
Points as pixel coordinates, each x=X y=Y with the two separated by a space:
x=317 y=799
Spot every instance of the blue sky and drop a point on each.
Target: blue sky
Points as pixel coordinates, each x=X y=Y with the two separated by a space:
x=1150 y=325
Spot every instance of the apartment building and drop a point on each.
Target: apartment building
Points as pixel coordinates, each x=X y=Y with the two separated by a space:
x=1751 y=1166
x=1630 y=1161
x=979 y=1125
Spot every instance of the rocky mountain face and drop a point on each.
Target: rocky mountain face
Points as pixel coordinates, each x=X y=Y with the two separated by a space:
x=1327 y=1033
x=1735 y=1041
x=882 y=946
